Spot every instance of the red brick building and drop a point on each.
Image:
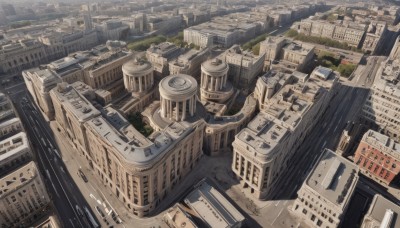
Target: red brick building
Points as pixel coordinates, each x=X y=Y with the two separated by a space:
x=378 y=157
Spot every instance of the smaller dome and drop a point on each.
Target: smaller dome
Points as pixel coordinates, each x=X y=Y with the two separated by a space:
x=136 y=66
x=215 y=65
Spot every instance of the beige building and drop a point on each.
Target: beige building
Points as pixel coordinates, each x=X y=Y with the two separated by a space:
x=140 y=171
x=72 y=109
x=212 y=208
x=272 y=48
x=244 y=67
x=100 y=68
x=160 y=55
x=6 y=109
x=23 y=196
x=214 y=81
x=221 y=130
x=297 y=55
x=21 y=55
x=395 y=53
x=324 y=196
x=178 y=97
x=139 y=82
x=382 y=108
x=189 y=63
x=177 y=217
x=10 y=127
x=350 y=33
x=14 y=152
x=381 y=213
x=266 y=146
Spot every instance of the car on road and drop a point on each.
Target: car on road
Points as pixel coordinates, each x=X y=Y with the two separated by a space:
x=100 y=211
x=82 y=175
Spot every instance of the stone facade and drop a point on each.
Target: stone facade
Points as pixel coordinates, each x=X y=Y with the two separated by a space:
x=23 y=196
x=266 y=146
x=324 y=196
x=382 y=108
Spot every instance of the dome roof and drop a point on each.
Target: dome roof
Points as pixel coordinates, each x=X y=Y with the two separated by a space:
x=215 y=65
x=136 y=66
x=178 y=86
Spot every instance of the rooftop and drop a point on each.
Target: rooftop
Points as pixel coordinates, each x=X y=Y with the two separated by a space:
x=13 y=145
x=333 y=178
x=379 y=209
x=212 y=207
x=299 y=47
x=18 y=178
x=381 y=141
x=129 y=143
x=71 y=96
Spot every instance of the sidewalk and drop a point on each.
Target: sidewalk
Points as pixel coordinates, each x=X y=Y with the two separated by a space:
x=95 y=193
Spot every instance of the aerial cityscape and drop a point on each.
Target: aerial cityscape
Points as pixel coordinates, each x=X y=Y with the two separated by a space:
x=191 y=114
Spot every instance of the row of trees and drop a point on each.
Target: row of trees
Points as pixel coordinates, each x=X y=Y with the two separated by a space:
x=144 y=44
x=254 y=44
x=320 y=40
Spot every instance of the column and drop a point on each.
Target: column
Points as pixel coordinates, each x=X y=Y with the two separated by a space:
x=145 y=82
x=216 y=84
x=205 y=81
x=171 y=108
x=184 y=110
x=177 y=111
x=140 y=84
x=190 y=106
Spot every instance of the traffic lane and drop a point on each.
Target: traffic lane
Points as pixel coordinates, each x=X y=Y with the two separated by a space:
x=67 y=212
x=309 y=154
x=49 y=138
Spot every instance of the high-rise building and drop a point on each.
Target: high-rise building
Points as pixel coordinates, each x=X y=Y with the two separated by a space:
x=382 y=107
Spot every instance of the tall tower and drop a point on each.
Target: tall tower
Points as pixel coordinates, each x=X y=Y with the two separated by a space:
x=87 y=19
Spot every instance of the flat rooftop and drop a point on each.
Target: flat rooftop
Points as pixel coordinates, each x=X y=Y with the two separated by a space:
x=212 y=207
x=333 y=178
x=13 y=145
x=73 y=100
x=377 y=211
x=381 y=141
x=18 y=178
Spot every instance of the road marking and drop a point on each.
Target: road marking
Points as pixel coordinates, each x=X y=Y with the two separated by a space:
x=334 y=130
x=52 y=168
x=280 y=212
x=323 y=144
x=71 y=223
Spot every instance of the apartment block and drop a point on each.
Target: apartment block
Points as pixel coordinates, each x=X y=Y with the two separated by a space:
x=290 y=106
x=378 y=157
x=324 y=196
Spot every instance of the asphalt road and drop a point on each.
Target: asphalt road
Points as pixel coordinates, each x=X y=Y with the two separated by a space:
x=63 y=191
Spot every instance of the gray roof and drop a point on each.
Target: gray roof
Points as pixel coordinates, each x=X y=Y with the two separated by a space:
x=333 y=178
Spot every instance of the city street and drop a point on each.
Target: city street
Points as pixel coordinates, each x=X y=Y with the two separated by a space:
x=65 y=194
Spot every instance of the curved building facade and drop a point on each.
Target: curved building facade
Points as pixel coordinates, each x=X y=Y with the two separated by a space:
x=138 y=76
x=214 y=84
x=178 y=97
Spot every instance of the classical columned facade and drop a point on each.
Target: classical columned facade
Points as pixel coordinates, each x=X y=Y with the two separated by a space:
x=138 y=76
x=178 y=97
x=214 y=86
